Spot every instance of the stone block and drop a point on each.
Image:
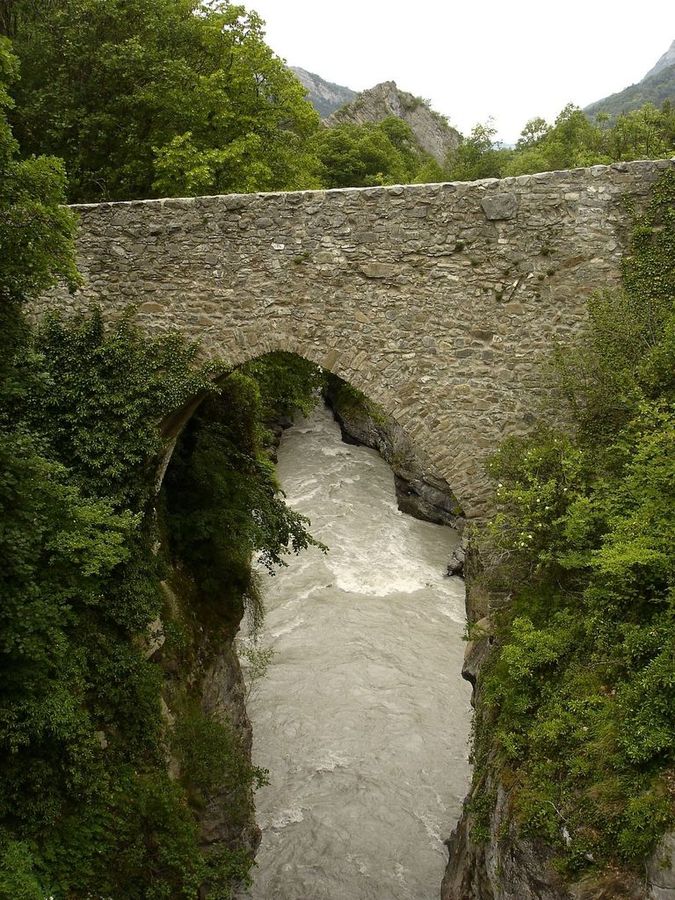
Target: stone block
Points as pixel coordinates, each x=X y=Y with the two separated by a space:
x=500 y=206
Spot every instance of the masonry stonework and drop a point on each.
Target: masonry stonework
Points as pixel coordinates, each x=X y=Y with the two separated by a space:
x=437 y=301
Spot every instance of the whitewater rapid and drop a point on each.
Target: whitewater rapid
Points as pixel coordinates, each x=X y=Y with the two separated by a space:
x=362 y=718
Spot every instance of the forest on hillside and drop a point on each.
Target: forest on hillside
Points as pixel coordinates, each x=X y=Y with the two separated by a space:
x=112 y=100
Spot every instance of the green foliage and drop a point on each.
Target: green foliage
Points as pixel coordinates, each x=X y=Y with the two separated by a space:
x=642 y=133
x=287 y=383
x=80 y=704
x=533 y=133
x=158 y=97
x=477 y=156
x=213 y=761
x=85 y=801
x=345 y=397
x=99 y=382
x=579 y=696
x=84 y=795
x=139 y=841
x=59 y=551
x=223 y=500
x=62 y=548
x=185 y=98
x=36 y=233
x=258 y=659
x=573 y=140
x=372 y=154
x=629 y=352
x=17 y=876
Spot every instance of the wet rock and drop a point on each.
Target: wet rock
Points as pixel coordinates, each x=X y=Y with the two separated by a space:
x=457 y=560
x=477 y=651
x=504 y=867
x=276 y=428
x=420 y=491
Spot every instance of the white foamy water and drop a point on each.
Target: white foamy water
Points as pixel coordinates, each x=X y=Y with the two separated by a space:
x=363 y=717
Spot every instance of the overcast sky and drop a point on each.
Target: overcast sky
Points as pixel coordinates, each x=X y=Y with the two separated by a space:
x=511 y=60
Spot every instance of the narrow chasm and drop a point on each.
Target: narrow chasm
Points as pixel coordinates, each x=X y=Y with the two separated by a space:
x=361 y=716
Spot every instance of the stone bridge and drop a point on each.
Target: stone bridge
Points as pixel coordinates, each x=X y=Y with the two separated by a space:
x=437 y=301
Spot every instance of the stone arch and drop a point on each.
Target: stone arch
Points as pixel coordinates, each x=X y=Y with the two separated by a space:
x=340 y=363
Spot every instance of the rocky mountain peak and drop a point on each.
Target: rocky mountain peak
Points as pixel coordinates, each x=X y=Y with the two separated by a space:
x=668 y=59
x=432 y=130
x=657 y=86
x=325 y=96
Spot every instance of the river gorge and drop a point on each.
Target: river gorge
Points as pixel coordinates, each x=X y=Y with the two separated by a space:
x=362 y=717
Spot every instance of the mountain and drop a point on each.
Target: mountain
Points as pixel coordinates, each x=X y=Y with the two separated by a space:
x=432 y=130
x=657 y=86
x=324 y=96
x=664 y=62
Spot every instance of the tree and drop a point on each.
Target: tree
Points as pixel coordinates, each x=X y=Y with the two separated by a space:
x=643 y=133
x=479 y=155
x=36 y=235
x=57 y=546
x=571 y=141
x=149 y=97
x=370 y=154
x=574 y=141
x=533 y=133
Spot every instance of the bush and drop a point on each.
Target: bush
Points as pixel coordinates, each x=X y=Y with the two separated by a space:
x=578 y=699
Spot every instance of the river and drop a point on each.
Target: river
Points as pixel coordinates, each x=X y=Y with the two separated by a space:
x=362 y=718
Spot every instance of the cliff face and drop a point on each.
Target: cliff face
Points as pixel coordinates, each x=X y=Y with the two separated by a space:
x=324 y=96
x=506 y=866
x=432 y=130
x=488 y=858
x=663 y=62
x=503 y=867
x=420 y=491
x=202 y=676
x=223 y=698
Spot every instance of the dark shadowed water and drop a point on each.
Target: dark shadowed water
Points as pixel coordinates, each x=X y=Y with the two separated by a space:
x=362 y=718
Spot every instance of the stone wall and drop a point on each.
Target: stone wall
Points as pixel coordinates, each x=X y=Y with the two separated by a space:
x=437 y=301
